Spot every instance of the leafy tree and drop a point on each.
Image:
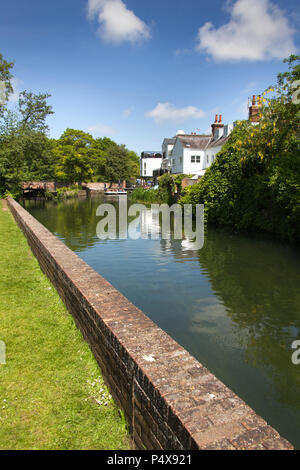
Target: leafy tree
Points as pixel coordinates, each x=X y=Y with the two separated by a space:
x=34 y=111
x=254 y=182
x=26 y=153
x=102 y=145
x=117 y=164
x=25 y=150
x=134 y=163
x=166 y=188
x=75 y=156
x=5 y=82
x=80 y=157
x=24 y=157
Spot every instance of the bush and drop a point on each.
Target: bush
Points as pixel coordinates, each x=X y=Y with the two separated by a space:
x=144 y=195
x=66 y=193
x=254 y=183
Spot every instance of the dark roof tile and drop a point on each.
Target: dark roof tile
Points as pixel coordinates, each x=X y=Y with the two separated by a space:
x=195 y=141
x=218 y=142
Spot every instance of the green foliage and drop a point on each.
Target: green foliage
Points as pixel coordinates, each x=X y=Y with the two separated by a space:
x=5 y=78
x=27 y=154
x=34 y=110
x=80 y=157
x=117 y=164
x=164 y=194
x=75 y=155
x=166 y=188
x=134 y=163
x=145 y=195
x=25 y=151
x=254 y=182
x=166 y=181
x=178 y=179
x=66 y=193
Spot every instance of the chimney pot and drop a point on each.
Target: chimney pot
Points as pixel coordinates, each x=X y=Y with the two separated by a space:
x=216 y=118
x=220 y=118
x=254 y=100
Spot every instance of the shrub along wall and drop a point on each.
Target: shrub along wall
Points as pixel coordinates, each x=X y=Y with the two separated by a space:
x=170 y=400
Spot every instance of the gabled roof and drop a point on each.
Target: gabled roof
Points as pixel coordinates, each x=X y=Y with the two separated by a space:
x=218 y=142
x=193 y=141
x=169 y=141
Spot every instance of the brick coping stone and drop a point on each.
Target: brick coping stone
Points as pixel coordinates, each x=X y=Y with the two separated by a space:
x=171 y=401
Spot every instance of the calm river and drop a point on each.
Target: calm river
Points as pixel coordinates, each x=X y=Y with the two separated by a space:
x=234 y=304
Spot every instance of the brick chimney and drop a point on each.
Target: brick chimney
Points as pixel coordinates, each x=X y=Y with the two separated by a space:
x=217 y=127
x=254 y=109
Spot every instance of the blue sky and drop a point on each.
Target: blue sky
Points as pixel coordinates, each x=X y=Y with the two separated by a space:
x=139 y=70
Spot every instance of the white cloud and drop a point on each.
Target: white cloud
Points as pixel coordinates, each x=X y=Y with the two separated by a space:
x=183 y=51
x=99 y=130
x=249 y=88
x=257 y=30
x=116 y=22
x=127 y=112
x=167 y=112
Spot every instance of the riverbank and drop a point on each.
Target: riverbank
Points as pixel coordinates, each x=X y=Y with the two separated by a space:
x=52 y=394
x=171 y=400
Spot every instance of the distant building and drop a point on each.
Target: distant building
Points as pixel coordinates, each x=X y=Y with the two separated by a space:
x=149 y=162
x=194 y=153
x=167 y=147
x=188 y=153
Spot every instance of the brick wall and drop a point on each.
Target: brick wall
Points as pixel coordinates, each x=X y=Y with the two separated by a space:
x=188 y=182
x=170 y=400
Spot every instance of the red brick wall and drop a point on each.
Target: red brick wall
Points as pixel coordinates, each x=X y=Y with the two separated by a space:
x=170 y=400
x=188 y=182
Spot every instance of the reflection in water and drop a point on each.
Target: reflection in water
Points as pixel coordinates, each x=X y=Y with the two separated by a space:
x=258 y=283
x=235 y=304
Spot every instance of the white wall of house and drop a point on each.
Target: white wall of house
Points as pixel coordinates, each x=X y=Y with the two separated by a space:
x=219 y=132
x=176 y=159
x=167 y=149
x=148 y=165
x=210 y=154
x=185 y=160
x=194 y=161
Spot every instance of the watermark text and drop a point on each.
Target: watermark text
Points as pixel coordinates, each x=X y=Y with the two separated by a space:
x=161 y=221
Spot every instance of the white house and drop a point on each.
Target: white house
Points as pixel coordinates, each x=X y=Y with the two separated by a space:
x=149 y=162
x=194 y=153
x=188 y=154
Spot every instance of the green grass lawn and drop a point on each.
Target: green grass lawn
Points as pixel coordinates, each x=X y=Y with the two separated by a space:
x=52 y=395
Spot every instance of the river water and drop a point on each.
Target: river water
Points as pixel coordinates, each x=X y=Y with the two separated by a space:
x=234 y=304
